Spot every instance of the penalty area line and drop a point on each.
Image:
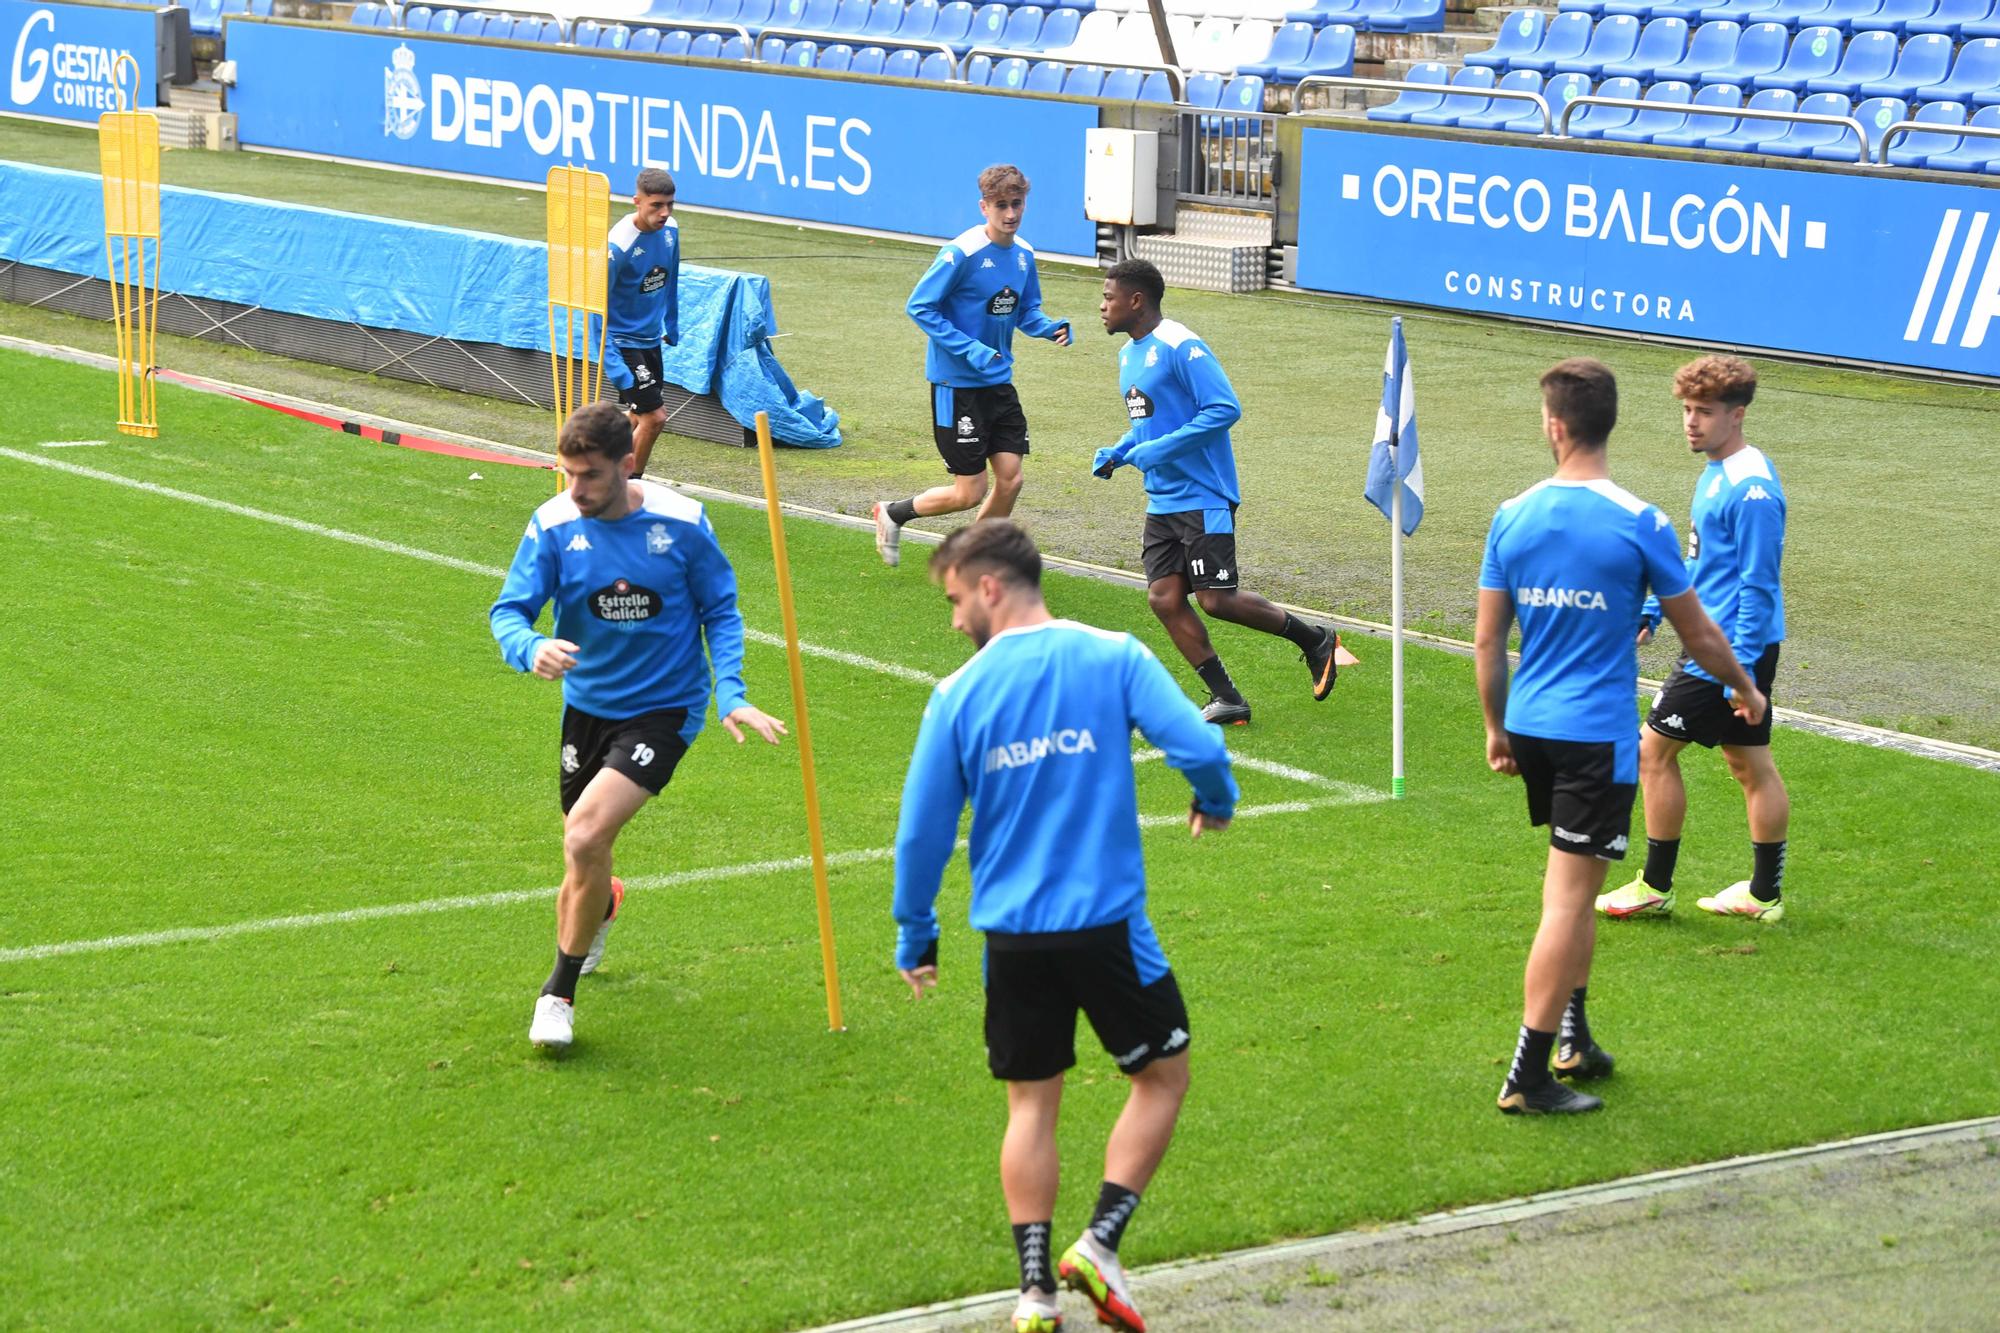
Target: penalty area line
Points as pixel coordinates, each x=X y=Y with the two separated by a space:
x=463 y=902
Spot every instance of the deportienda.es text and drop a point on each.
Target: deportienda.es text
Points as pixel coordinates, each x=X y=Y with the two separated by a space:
x=622 y=129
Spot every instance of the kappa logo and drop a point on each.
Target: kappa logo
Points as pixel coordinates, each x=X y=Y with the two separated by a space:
x=657 y=540
x=578 y=543
x=1660 y=520
x=570 y=763
x=1617 y=844
x=402 y=95
x=1222 y=575
x=986 y=263
x=1985 y=304
x=965 y=427
x=1175 y=1040
x=1756 y=493
x=1195 y=353
x=1673 y=722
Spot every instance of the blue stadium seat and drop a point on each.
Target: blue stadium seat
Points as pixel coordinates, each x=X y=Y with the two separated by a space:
x=260 y=9
x=480 y=25
x=721 y=11
x=1796 y=14
x=585 y=33
x=989 y=25
x=1594 y=8
x=1503 y=113
x=919 y=17
x=1410 y=16
x=1804 y=139
x=834 y=58
x=1975 y=75
x=1895 y=16
x=551 y=33
x=1842 y=14
x=1593 y=121
x=1366 y=12
x=850 y=18
x=416 y=18
x=1046 y=77
x=868 y=60
x=954 y=24
x=1870 y=55
x=1761 y=51
x=1519 y=35
x=1121 y=85
x=1473 y=78
x=1745 y=12
x=756 y=14
x=1023 y=30
x=1245 y=92
x=1204 y=90
x=708 y=46
x=1712 y=47
x=1080 y=6
x=1814 y=54
x=362 y=17
x=1558 y=91
x=1688 y=11
x=617 y=37
x=803 y=54
x=443 y=21
x=1951 y=16
x=1916 y=148
x=1925 y=60
x=1671 y=96
x=908 y=64
x=977 y=70
x=734 y=48
x=1332 y=53
x=692 y=11
x=1289 y=43
x=1751 y=135
x=1084 y=81
x=1566 y=38
x=817 y=16
x=1410 y=101
x=790 y=14
x=1876 y=115
x=1157 y=88
x=675 y=42
x=884 y=19
x=1986 y=27
x=1974 y=152
x=1614 y=38
x=1323 y=12
x=1663 y=42
x=1693 y=130
x=385 y=17
x=1059 y=29
x=646 y=40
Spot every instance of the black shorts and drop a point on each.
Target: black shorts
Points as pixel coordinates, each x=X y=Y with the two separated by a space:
x=971 y=425
x=1582 y=790
x=1200 y=543
x=646 y=393
x=1036 y=983
x=646 y=749
x=1693 y=709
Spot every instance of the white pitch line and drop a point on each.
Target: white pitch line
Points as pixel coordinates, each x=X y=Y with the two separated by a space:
x=69 y=444
x=505 y=897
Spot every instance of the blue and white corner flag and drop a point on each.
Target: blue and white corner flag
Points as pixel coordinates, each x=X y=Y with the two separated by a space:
x=1396 y=424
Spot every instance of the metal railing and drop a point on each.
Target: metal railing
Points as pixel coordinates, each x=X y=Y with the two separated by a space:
x=1737 y=113
x=1929 y=127
x=1228 y=157
x=826 y=39
x=1405 y=85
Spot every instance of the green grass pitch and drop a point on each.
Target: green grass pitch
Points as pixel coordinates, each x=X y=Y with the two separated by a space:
x=213 y=721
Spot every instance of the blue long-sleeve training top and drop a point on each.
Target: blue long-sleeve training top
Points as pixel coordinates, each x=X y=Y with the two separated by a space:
x=642 y=295
x=638 y=596
x=1736 y=547
x=1036 y=732
x=1181 y=407
x=969 y=303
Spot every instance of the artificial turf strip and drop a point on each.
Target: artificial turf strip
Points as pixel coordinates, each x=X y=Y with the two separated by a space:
x=231 y=721
x=1882 y=628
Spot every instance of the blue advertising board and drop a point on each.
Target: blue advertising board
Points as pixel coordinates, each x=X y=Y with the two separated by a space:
x=1871 y=268
x=60 y=57
x=749 y=139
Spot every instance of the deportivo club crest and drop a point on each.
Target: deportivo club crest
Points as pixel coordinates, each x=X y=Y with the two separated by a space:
x=402 y=96
x=657 y=540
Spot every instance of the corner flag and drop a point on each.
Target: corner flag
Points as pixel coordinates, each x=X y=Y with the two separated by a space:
x=1396 y=439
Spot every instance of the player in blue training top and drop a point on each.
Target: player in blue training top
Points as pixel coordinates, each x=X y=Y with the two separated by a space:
x=639 y=584
x=1181 y=408
x=642 y=299
x=1573 y=558
x=980 y=289
x=1736 y=543
x=1036 y=731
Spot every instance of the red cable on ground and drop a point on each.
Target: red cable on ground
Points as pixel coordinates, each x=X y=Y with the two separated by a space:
x=401 y=439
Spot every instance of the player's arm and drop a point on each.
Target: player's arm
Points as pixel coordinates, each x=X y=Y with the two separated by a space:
x=712 y=584
x=1489 y=652
x=1155 y=705
x=1760 y=548
x=1216 y=408
x=934 y=794
x=926 y=307
x=1032 y=320
x=531 y=582
x=616 y=372
x=1700 y=636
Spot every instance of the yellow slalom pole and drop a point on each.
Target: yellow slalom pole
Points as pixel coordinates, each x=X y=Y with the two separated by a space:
x=804 y=725
x=129 y=158
x=579 y=216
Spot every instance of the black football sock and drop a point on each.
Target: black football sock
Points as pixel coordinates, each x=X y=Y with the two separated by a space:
x=1031 y=1246
x=1575 y=1027
x=1531 y=1058
x=1114 y=1209
x=1216 y=676
x=1767 y=878
x=1304 y=637
x=1661 y=856
x=902 y=511
x=562 y=981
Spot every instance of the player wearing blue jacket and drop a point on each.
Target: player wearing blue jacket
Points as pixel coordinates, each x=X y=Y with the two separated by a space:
x=1035 y=731
x=642 y=305
x=1736 y=545
x=976 y=294
x=1181 y=407
x=1573 y=558
x=639 y=584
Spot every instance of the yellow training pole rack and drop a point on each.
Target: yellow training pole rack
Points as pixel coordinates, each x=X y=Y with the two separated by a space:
x=803 y=723
x=128 y=145
x=579 y=221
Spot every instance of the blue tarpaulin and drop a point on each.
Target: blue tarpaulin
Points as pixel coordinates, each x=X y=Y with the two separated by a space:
x=381 y=273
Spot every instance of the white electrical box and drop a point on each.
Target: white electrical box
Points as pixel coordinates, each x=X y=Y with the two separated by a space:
x=1121 y=174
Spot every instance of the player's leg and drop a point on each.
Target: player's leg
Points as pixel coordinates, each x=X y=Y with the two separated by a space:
x=1030 y=1043
x=1168 y=587
x=1004 y=429
x=645 y=402
x=1006 y=486
x=956 y=430
x=1684 y=712
x=646 y=428
x=1213 y=571
x=1769 y=805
